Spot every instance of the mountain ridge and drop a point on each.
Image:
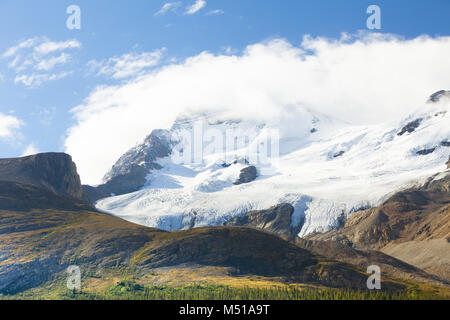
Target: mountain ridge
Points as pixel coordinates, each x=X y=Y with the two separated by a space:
x=52 y=171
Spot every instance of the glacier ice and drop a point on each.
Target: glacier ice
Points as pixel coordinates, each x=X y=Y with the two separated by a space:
x=373 y=162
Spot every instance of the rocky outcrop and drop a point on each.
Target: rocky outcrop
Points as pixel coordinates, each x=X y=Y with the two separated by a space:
x=410 y=127
x=132 y=180
x=130 y=172
x=51 y=171
x=437 y=96
x=94 y=193
x=424 y=152
x=276 y=220
x=248 y=174
x=157 y=145
x=236 y=161
x=338 y=154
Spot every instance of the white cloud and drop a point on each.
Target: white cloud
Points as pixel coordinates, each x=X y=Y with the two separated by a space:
x=197 y=6
x=35 y=80
x=215 y=12
x=168 y=6
x=127 y=65
x=30 y=150
x=51 y=46
x=50 y=63
x=24 y=44
x=19 y=67
x=39 y=54
x=9 y=126
x=367 y=79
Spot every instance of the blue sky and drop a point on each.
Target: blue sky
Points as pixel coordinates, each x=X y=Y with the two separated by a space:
x=116 y=28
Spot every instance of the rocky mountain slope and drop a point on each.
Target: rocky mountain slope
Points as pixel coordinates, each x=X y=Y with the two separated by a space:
x=276 y=220
x=52 y=171
x=412 y=225
x=130 y=172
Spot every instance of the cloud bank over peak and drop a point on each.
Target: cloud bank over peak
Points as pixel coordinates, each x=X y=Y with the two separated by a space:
x=362 y=79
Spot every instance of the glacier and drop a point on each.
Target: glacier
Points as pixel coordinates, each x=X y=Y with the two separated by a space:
x=326 y=169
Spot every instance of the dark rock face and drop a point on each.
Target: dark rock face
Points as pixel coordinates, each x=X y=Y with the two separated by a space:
x=131 y=181
x=276 y=220
x=156 y=145
x=247 y=175
x=437 y=96
x=445 y=143
x=242 y=161
x=425 y=151
x=410 y=127
x=339 y=154
x=51 y=171
x=93 y=193
x=448 y=163
x=20 y=197
x=129 y=173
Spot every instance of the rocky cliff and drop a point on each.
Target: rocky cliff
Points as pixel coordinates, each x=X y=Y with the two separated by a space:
x=51 y=171
x=130 y=172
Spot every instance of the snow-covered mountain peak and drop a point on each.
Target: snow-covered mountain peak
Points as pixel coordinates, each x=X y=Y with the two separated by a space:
x=325 y=168
x=157 y=145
